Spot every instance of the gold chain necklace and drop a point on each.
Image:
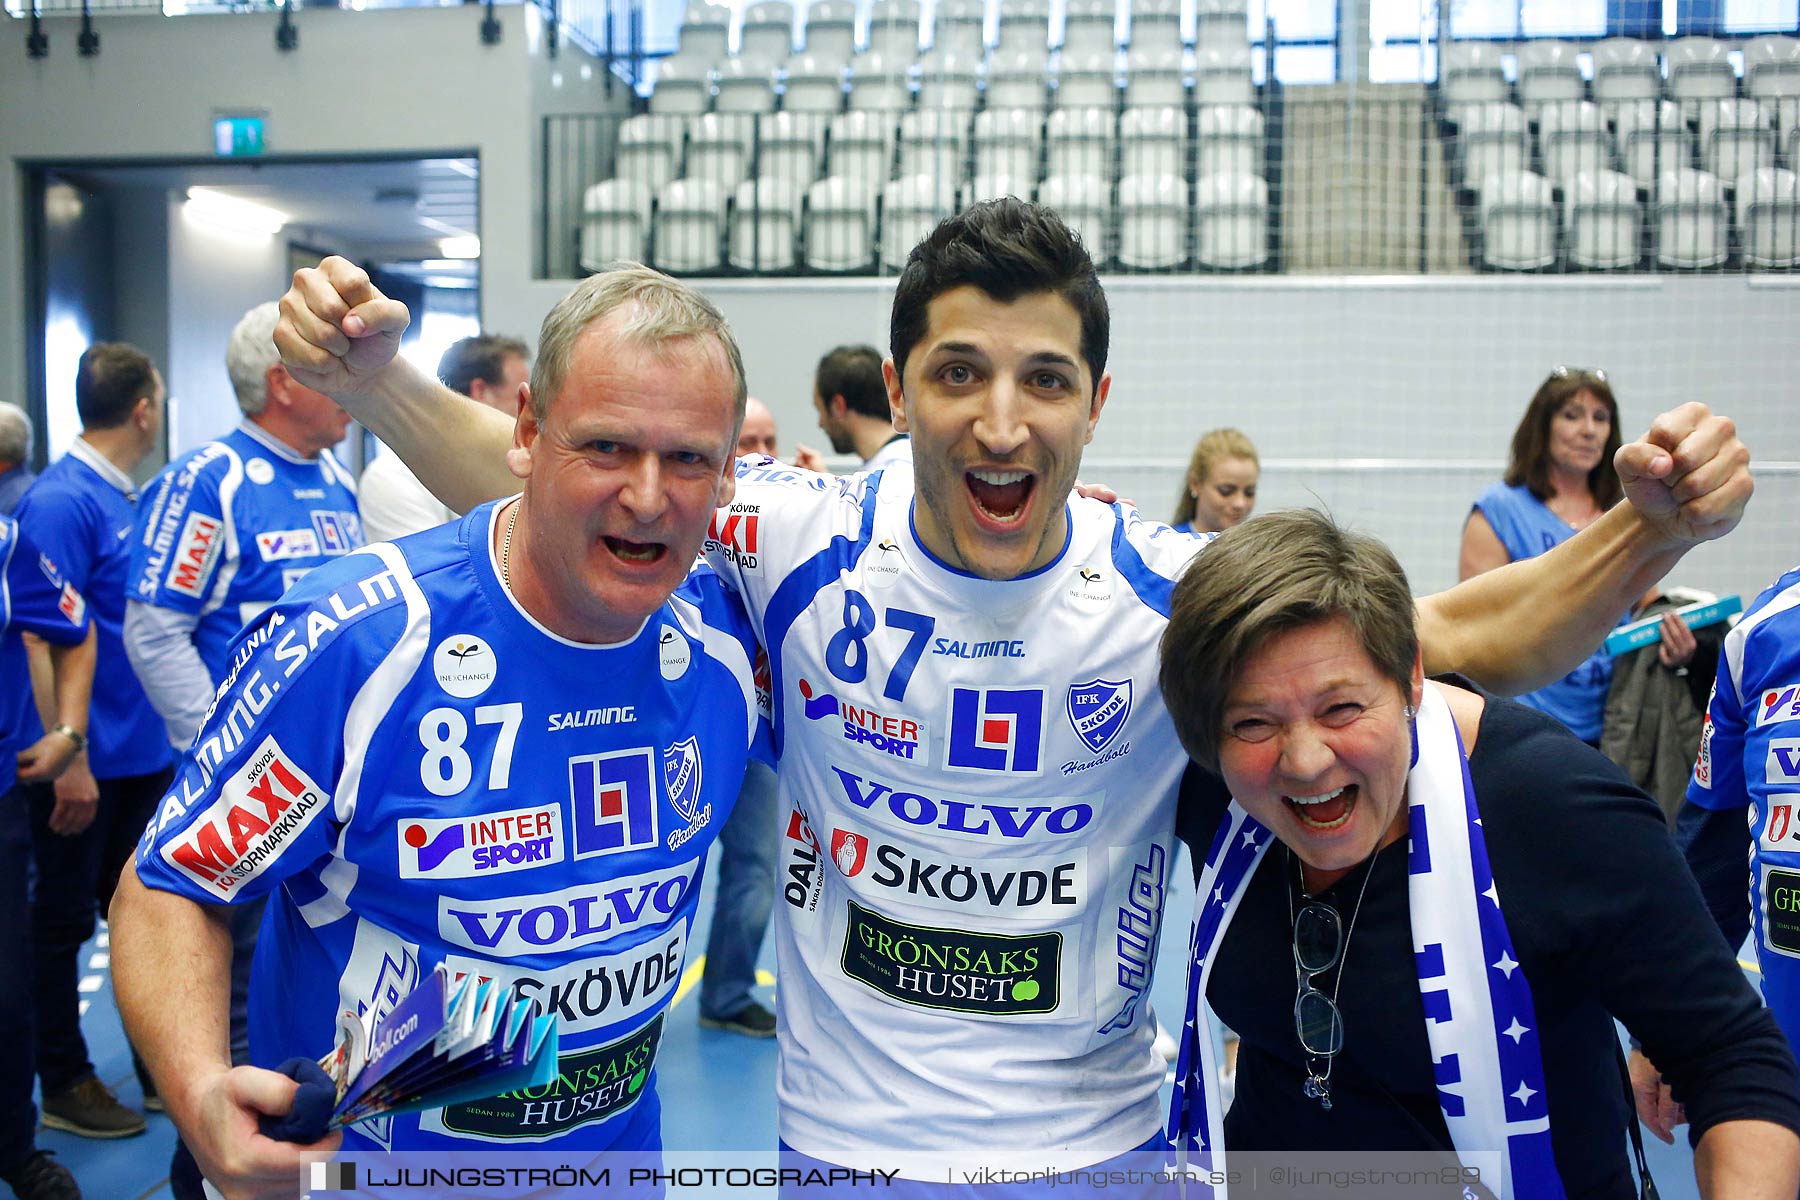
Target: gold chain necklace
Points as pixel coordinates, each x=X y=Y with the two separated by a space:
x=506 y=547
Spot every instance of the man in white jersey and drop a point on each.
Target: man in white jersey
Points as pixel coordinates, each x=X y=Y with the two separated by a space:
x=978 y=770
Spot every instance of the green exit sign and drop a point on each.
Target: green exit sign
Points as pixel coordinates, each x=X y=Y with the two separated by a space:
x=239 y=136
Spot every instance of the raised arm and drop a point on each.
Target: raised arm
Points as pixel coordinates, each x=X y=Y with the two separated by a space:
x=339 y=335
x=1524 y=624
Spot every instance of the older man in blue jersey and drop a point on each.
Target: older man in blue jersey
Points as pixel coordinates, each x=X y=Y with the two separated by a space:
x=410 y=757
x=980 y=772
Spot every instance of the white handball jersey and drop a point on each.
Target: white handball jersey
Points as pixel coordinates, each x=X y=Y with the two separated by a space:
x=979 y=781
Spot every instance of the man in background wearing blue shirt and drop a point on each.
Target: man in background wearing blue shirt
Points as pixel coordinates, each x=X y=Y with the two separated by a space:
x=85 y=825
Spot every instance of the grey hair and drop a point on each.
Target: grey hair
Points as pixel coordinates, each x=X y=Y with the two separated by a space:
x=664 y=310
x=15 y=434
x=249 y=355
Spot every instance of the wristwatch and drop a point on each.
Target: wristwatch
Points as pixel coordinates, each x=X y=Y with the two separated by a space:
x=73 y=734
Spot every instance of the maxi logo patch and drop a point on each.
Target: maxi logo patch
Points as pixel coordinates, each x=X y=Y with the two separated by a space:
x=268 y=803
x=737 y=535
x=486 y=844
x=591 y=993
x=996 y=730
x=1779 y=704
x=1783 y=764
x=987 y=973
x=612 y=799
x=192 y=562
x=1781 y=911
x=1098 y=710
x=590 y=1085
x=1703 y=760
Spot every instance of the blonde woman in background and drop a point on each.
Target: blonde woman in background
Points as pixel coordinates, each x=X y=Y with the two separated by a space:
x=1220 y=489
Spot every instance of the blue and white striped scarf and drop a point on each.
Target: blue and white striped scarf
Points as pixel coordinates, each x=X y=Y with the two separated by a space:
x=1479 y=1018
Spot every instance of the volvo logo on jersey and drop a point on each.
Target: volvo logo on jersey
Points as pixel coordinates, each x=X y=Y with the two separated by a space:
x=612 y=801
x=681 y=773
x=863 y=726
x=484 y=844
x=996 y=729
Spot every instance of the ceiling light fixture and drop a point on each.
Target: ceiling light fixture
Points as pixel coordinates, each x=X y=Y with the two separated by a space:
x=233 y=215
x=460 y=247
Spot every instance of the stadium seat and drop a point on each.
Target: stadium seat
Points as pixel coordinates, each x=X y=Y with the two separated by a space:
x=1231 y=221
x=1772 y=68
x=840 y=224
x=789 y=147
x=1221 y=24
x=830 y=32
x=1548 y=74
x=936 y=144
x=949 y=79
x=746 y=85
x=765 y=225
x=1470 y=73
x=1228 y=141
x=959 y=27
x=1699 y=69
x=814 y=85
x=1574 y=138
x=1088 y=80
x=1492 y=139
x=1018 y=79
x=1652 y=139
x=1737 y=137
x=689 y=222
x=650 y=147
x=1518 y=220
x=681 y=87
x=705 y=33
x=1625 y=70
x=1155 y=25
x=1692 y=228
x=1024 y=25
x=1222 y=76
x=1768 y=217
x=862 y=149
x=719 y=146
x=1090 y=27
x=1153 y=142
x=1079 y=143
x=615 y=223
x=1084 y=202
x=911 y=207
x=1153 y=77
x=1602 y=217
x=993 y=187
x=1153 y=222
x=1007 y=142
x=767 y=32
x=879 y=83
x=894 y=29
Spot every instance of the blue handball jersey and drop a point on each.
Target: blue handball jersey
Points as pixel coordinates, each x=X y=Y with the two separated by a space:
x=228 y=528
x=1750 y=756
x=418 y=773
x=34 y=597
x=78 y=514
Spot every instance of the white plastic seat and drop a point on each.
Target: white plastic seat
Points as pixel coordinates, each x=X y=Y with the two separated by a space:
x=840 y=225
x=789 y=147
x=879 y=83
x=746 y=85
x=1603 y=218
x=959 y=27
x=949 y=79
x=1574 y=138
x=1492 y=138
x=1737 y=137
x=934 y=143
x=1018 y=78
x=911 y=207
x=993 y=187
x=719 y=146
x=615 y=223
x=1222 y=76
x=1518 y=219
x=765 y=226
x=705 y=33
x=1625 y=70
x=767 y=32
x=1153 y=142
x=681 y=87
x=1078 y=142
x=894 y=29
x=1471 y=73
x=650 y=149
x=1024 y=25
x=1772 y=68
x=1231 y=221
x=1652 y=138
x=1154 y=77
x=1090 y=27
x=689 y=224
x=1155 y=25
x=861 y=149
x=1768 y=217
x=1088 y=80
x=1549 y=73
x=1153 y=222
x=1221 y=24
x=1084 y=202
x=1007 y=142
x=830 y=31
x=1228 y=140
x=815 y=84
x=1699 y=69
x=1692 y=227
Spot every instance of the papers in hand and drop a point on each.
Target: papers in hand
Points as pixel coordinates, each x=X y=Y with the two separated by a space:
x=453 y=1039
x=1649 y=630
